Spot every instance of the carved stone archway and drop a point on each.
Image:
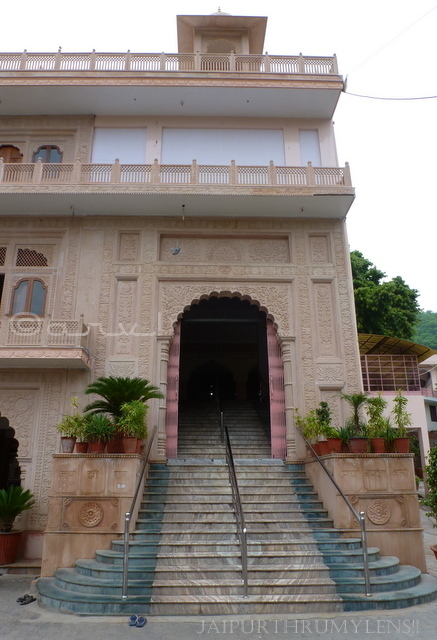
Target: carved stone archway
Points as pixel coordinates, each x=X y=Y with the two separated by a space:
x=171 y=296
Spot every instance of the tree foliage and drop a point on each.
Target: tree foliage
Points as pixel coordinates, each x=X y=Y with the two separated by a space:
x=426 y=329
x=382 y=307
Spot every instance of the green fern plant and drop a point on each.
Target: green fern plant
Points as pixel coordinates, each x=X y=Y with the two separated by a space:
x=13 y=501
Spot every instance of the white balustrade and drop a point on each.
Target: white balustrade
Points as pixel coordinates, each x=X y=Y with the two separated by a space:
x=33 y=331
x=153 y=62
x=194 y=174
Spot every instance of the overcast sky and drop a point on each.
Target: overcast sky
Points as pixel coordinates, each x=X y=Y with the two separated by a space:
x=390 y=145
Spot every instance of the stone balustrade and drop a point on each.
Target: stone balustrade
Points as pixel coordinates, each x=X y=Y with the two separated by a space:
x=168 y=62
x=34 y=331
x=40 y=173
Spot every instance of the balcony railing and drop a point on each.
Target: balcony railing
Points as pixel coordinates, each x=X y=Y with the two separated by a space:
x=168 y=62
x=25 y=331
x=76 y=173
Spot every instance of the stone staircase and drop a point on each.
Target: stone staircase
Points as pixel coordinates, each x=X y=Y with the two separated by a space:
x=185 y=556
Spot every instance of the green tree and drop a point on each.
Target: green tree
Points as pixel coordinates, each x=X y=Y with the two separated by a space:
x=426 y=329
x=382 y=307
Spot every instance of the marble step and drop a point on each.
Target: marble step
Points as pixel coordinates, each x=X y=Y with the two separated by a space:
x=236 y=587
x=270 y=572
x=69 y=579
x=237 y=604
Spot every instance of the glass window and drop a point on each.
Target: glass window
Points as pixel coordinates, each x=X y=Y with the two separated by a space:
x=48 y=153
x=29 y=297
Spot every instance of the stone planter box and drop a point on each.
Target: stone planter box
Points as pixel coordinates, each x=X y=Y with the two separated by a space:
x=384 y=487
x=89 y=497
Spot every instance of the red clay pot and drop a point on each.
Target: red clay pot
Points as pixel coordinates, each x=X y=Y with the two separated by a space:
x=9 y=543
x=96 y=447
x=377 y=445
x=335 y=445
x=324 y=447
x=402 y=445
x=358 y=445
x=81 y=447
x=130 y=444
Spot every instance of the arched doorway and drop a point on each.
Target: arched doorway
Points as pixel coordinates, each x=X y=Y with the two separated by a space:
x=9 y=467
x=226 y=350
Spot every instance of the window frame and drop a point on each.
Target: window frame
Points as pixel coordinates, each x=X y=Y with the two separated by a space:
x=48 y=148
x=27 y=310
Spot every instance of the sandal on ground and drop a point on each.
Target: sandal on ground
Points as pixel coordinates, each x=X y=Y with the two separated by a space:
x=133 y=621
x=28 y=600
x=23 y=598
x=141 y=621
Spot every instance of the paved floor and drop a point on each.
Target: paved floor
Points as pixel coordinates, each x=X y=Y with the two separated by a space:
x=29 y=622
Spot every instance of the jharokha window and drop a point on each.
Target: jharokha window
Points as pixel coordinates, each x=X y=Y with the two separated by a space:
x=29 y=296
x=48 y=153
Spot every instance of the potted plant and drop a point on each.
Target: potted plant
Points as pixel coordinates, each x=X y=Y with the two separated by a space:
x=402 y=420
x=114 y=392
x=132 y=424
x=310 y=427
x=98 y=430
x=431 y=500
x=71 y=427
x=13 y=501
x=358 y=441
x=332 y=442
x=377 y=423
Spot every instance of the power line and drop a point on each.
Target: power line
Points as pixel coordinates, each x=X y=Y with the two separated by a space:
x=393 y=39
x=358 y=95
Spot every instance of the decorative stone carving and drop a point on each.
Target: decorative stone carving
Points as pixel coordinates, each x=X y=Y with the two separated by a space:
x=91 y=514
x=325 y=319
x=122 y=368
x=378 y=512
x=375 y=475
x=319 y=249
x=330 y=374
x=273 y=298
x=129 y=247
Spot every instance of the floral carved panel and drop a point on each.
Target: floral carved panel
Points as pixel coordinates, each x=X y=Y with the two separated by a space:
x=273 y=298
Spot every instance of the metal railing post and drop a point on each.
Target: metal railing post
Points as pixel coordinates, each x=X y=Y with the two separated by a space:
x=360 y=519
x=125 y=556
x=128 y=518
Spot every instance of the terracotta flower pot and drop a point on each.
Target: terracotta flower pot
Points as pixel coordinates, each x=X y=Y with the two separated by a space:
x=402 y=445
x=377 y=445
x=316 y=447
x=115 y=445
x=324 y=447
x=129 y=444
x=67 y=444
x=96 y=447
x=335 y=445
x=81 y=447
x=9 y=543
x=433 y=548
x=358 y=445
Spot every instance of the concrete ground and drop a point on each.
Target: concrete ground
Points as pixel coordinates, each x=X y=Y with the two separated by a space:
x=19 y=622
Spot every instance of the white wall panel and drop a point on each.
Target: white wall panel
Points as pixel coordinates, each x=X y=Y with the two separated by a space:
x=220 y=146
x=128 y=145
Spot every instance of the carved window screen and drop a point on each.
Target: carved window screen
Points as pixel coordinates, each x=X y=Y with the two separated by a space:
x=2 y=255
x=30 y=258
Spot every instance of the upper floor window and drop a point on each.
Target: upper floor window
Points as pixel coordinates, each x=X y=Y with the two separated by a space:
x=48 y=153
x=10 y=154
x=29 y=296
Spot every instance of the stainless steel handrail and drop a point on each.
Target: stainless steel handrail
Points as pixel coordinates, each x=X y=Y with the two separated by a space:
x=238 y=509
x=128 y=516
x=359 y=517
